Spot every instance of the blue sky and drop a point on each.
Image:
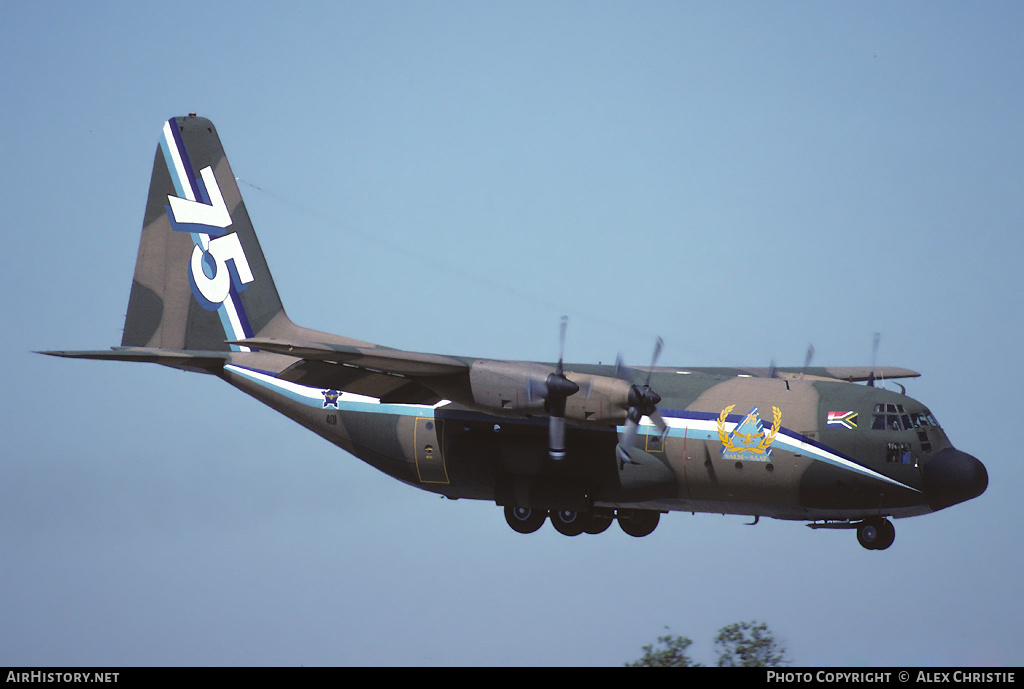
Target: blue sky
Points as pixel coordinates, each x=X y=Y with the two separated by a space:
x=453 y=177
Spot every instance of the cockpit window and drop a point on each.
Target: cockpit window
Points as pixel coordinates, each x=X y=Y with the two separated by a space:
x=893 y=417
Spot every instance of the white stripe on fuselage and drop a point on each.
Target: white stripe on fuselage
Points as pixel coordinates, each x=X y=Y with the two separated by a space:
x=694 y=429
x=706 y=429
x=347 y=401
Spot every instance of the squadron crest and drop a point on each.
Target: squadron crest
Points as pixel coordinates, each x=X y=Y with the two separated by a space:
x=749 y=441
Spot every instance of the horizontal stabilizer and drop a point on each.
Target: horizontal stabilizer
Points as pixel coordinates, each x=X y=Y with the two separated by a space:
x=193 y=360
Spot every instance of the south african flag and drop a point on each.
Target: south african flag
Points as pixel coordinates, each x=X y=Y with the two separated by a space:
x=846 y=419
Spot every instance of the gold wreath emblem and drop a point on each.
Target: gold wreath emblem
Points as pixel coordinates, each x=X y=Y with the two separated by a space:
x=760 y=448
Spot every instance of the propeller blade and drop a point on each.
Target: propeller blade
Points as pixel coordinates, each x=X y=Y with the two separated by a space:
x=620 y=368
x=642 y=401
x=590 y=387
x=556 y=437
x=659 y=421
x=555 y=389
x=561 y=343
x=654 y=359
x=535 y=389
x=876 y=338
x=623 y=372
x=628 y=442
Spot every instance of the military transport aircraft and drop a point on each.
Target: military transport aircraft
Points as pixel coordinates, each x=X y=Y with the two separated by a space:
x=579 y=445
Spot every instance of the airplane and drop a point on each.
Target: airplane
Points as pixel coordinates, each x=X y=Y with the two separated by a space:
x=578 y=445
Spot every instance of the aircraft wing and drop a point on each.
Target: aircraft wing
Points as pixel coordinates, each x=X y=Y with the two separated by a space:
x=852 y=374
x=381 y=359
x=849 y=374
x=396 y=375
x=391 y=375
x=403 y=377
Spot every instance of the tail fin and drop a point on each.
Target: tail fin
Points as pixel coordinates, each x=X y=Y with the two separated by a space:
x=200 y=277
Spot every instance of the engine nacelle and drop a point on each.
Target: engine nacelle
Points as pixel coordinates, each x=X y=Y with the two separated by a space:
x=601 y=399
x=516 y=388
x=506 y=386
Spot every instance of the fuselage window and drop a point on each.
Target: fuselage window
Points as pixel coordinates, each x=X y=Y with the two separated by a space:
x=899 y=453
x=891 y=422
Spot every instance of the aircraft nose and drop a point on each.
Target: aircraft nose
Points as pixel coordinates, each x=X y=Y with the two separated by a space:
x=952 y=476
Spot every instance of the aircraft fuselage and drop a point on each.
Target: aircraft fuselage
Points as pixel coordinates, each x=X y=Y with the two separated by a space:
x=824 y=449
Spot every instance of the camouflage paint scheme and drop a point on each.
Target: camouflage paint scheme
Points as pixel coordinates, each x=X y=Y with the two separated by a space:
x=806 y=444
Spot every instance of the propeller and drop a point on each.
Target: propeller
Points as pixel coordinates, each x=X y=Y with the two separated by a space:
x=555 y=390
x=642 y=401
x=807 y=360
x=874 y=357
x=773 y=370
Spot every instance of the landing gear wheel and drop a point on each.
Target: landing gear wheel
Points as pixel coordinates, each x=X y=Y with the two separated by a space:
x=597 y=523
x=568 y=522
x=524 y=519
x=887 y=534
x=876 y=533
x=638 y=523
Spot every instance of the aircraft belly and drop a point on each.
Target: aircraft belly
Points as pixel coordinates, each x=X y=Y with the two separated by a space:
x=382 y=435
x=707 y=476
x=825 y=487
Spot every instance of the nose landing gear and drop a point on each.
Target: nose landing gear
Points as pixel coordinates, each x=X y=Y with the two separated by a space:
x=876 y=533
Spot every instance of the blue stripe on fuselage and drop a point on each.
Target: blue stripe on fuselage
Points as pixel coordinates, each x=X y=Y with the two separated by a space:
x=704 y=426
x=314 y=397
x=682 y=423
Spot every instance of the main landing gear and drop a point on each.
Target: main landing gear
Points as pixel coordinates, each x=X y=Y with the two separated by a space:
x=876 y=533
x=571 y=523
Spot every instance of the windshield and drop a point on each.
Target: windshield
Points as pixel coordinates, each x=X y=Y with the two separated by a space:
x=894 y=417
